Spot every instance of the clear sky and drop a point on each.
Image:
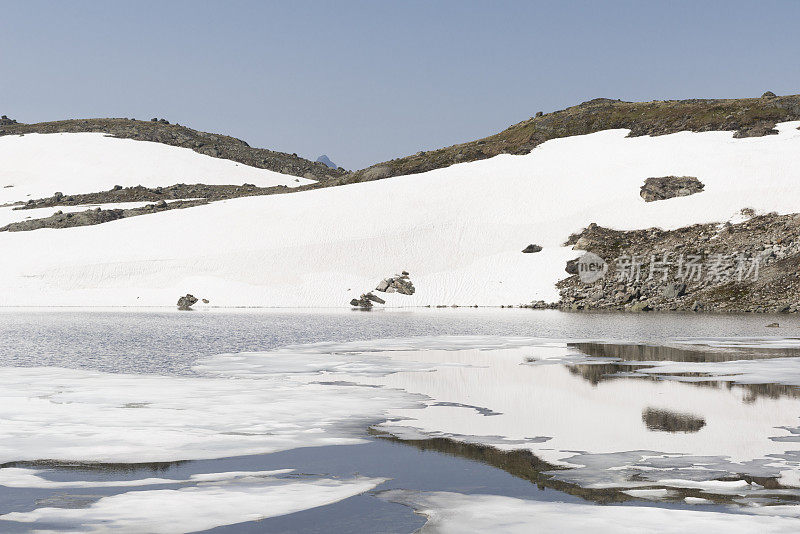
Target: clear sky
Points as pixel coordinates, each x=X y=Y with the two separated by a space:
x=366 y=81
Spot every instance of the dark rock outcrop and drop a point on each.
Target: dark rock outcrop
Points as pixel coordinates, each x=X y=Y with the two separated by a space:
x=665 y=187
x=5 y=121
x=186 y=302
x=530 y=249
x=94 y=216
x=746 y=267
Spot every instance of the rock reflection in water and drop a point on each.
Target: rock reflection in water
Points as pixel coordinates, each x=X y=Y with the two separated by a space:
x=631 y=358
x=669 y=421
x=672 y=353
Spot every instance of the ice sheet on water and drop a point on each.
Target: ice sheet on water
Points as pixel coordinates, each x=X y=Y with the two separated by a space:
x=221 y=500
x=72 y=415
x=456 y=513
x=468 y=389
x=19 y=477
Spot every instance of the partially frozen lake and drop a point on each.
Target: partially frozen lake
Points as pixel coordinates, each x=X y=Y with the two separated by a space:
x=304 y=421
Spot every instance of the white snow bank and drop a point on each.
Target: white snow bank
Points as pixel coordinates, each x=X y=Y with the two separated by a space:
x=38 y=165
x=196 y=508
x=454 y=512
x=458 y=231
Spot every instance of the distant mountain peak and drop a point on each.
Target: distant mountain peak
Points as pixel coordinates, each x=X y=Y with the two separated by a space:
x=327 y=161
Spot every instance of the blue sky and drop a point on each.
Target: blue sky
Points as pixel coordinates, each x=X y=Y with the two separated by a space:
x=368 y=81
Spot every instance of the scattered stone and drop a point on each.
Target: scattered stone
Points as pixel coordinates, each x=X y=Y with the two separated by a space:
x=186 y=302
x=664 y=187
x=530 y=249
x=205 y=301
x=773 y=325
x=398 y=283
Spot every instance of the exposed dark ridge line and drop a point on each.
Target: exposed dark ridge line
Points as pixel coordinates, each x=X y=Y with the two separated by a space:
x=209 y=144
x=747 y=117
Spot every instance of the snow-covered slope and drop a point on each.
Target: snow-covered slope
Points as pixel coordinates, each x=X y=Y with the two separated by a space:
x=38 y=165
x=458 y=230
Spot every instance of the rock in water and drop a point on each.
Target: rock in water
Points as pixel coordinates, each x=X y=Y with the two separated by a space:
x=363 y=302
x=186 y=302
x=373 y=298
x=531 y=249
x=665 y=187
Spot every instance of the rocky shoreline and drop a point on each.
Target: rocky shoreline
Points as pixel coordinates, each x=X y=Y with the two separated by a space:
x=751 y=267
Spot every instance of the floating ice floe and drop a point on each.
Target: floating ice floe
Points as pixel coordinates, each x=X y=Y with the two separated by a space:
x=221 y=500
x=456 y=513
x=567 y=414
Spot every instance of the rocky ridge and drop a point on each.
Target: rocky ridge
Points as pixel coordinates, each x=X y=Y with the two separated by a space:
x=94 y=216
x=161 y=131
x=746 y=117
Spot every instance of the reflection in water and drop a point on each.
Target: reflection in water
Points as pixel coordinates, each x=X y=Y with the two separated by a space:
x=669 y=421
x=632 y=357
x=674 y=353
x=524 y=464
x=154 y=467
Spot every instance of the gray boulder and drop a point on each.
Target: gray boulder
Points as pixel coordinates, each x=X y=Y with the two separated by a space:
x=377 y=173
x=675 y=290
x=362 y=302
x=397 y=284
x=186 y=302
x=530 y=249
x=374 y=298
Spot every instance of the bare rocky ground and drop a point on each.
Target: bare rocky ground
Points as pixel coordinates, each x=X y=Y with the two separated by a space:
x=164 y=198
x=752 y=266
x=95 y=216
x=746 y=117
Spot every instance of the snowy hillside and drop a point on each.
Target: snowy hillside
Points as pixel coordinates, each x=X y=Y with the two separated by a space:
x=458 y=230
x=37 y=165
